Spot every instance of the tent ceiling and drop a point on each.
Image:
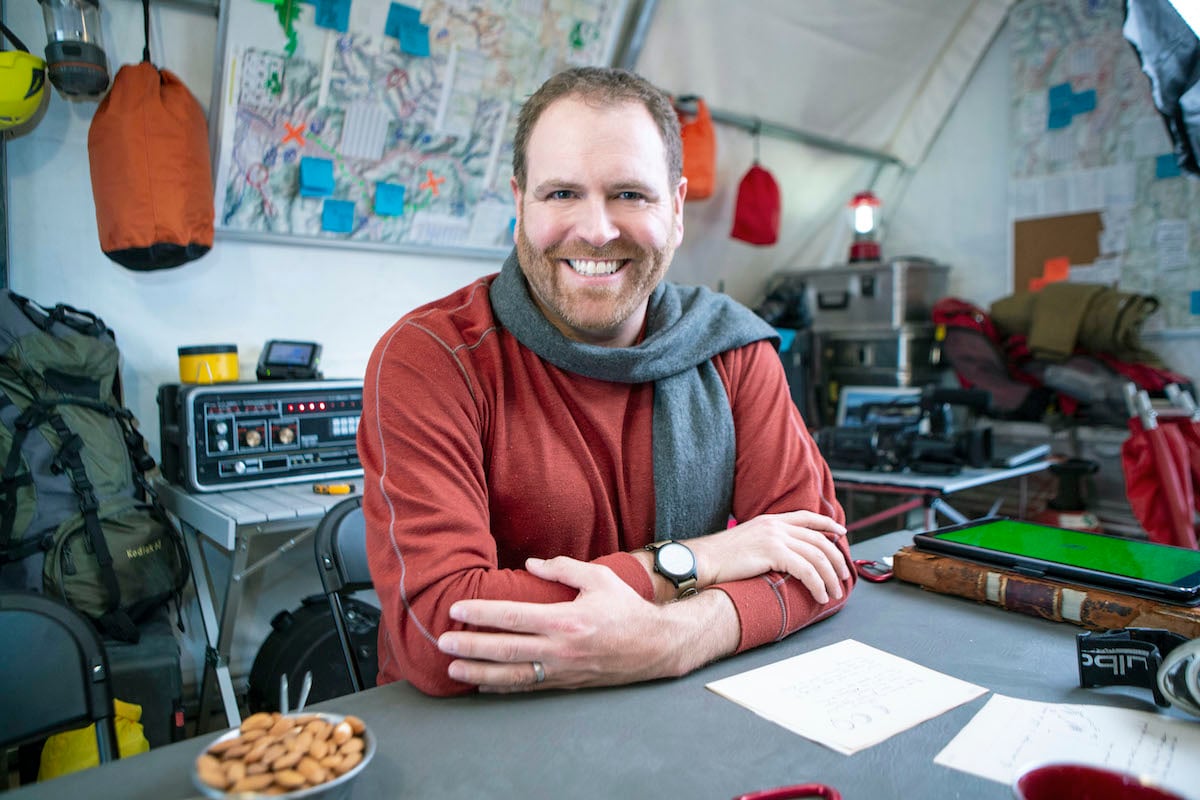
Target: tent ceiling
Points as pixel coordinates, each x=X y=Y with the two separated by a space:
x=876 y=74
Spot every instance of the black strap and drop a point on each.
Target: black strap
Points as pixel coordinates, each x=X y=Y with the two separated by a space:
x=29 y=419
x=12 y=37
x=1125 y=657
x=146 y=25
x=68 y=457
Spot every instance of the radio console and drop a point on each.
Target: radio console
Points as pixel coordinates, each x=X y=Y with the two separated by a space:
x=241 y=435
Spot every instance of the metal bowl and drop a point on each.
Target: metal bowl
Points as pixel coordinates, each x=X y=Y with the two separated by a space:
x=337 y=789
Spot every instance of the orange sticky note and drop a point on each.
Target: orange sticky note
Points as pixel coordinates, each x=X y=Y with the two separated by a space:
x=1056 y=269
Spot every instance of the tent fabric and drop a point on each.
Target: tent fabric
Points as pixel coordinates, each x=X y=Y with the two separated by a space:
x=877 y=75
x=880 y=75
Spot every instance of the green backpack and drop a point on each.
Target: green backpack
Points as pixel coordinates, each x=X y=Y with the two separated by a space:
x=78 y=519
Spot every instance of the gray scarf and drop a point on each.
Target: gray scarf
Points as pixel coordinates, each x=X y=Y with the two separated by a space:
x=686 y=326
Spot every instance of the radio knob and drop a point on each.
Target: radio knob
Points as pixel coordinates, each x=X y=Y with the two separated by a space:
x=221 y=428
x=239 y=467
x=222 y=445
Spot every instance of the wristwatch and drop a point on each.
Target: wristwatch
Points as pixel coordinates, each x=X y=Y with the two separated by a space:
x=676 y=562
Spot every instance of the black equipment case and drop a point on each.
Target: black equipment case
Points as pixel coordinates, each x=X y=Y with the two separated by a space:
x=304 y=640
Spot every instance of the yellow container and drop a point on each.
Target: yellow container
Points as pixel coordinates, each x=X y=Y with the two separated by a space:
x=208 y=363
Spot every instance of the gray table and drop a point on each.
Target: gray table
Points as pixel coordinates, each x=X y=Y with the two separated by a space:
x=675 y=738
x=929 y=490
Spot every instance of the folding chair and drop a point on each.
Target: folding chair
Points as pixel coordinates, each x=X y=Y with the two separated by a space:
x=341 y=550
x=53 y=673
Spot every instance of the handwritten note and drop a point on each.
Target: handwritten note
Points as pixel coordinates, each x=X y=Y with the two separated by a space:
x=1009 y=735
x=847 y=696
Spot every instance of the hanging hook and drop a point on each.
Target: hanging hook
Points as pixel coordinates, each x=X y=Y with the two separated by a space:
x=755 y=131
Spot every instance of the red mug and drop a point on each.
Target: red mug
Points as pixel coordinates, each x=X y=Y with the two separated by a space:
x=1085 y=782
x=800 y=790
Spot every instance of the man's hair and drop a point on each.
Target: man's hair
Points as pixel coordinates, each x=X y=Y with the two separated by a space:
x=603 y=86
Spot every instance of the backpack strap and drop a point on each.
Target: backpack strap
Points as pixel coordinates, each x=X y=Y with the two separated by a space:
x=10 y=482
x=114 y=622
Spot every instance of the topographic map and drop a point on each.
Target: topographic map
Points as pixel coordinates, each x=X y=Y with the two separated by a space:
x=396 y=131
x=1087 y=137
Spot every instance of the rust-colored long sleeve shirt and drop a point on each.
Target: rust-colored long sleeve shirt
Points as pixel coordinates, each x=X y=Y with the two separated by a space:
x=479 y=454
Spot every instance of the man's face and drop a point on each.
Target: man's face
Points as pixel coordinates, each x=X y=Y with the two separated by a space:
x=598 y=221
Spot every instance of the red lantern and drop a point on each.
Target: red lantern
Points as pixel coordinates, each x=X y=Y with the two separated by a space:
x=865 y=218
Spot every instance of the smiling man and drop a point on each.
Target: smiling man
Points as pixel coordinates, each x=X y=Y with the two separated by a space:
x=555 y=454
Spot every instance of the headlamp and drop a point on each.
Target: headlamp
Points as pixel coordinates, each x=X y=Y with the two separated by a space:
x=1166 y=663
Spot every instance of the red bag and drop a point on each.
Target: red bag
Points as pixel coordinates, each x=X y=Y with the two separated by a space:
x=756 y=215
x=151 y=175
x=699 y=150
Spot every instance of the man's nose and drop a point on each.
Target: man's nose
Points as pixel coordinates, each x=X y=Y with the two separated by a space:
x=595 y=224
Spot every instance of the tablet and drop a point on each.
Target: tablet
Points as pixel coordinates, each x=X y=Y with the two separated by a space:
x=1143 y=569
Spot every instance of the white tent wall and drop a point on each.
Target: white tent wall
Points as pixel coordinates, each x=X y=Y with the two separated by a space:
x=877 y=75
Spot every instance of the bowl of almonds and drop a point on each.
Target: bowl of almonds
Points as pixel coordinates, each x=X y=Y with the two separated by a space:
x=305 y=755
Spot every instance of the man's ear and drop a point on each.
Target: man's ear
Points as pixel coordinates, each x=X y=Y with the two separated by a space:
x=517 y=197
x=680 y=194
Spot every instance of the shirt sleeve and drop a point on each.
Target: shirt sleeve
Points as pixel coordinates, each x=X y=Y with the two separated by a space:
x=778 y=469
x=425 y=503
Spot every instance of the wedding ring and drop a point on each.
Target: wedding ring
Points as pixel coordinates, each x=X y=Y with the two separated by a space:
x=539 y=672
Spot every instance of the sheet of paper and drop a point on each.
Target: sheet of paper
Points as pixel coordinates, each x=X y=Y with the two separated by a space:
x=847 y=696
x=1008 y=735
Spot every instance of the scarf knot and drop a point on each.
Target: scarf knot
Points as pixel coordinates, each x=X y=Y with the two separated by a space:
x=694 y=441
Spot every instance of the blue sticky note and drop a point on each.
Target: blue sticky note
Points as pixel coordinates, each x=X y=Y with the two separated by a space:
x=1166 y=166
x=1060 y=97
x=337 y=216
x=414 y=39
x=399 y=16
x=1058 y=119
x=1195 y=307
x=1083 y=102
x=389 y=199
x=316 y=177
x=333 y=14
x=786 y=337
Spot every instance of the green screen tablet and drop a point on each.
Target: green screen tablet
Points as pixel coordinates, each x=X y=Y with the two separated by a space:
x=1144 y=569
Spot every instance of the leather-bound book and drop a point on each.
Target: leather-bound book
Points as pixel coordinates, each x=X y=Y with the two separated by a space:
x=1096 y=609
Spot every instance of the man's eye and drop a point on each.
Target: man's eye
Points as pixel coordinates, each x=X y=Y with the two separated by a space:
x=630 y=196
x=561 y=194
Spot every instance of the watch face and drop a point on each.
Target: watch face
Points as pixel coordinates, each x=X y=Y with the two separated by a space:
x=676 y=559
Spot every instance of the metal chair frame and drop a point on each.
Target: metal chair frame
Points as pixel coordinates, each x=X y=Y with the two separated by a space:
x=53 y=673
x=341 y=553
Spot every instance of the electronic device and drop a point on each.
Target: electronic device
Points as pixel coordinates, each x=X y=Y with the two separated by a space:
x=860 y=406
x=282 y=360
x=1144 y=569
x=240 y=435
x=893 y=429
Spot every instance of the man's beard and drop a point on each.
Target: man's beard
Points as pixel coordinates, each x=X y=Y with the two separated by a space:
x=599 y=309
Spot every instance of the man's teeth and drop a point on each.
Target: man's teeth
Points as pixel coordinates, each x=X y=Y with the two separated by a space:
x=594 y=267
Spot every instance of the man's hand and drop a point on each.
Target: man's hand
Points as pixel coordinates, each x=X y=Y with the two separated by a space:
x=796 y=543
x=607 y=636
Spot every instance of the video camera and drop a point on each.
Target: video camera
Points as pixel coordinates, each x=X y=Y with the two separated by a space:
x=920 y=437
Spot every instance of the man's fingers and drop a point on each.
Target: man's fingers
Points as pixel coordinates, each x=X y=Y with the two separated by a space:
x=493 y=677
x=504 y=615
x=814 y=569
x=833 y=554
x=813 y=521
x=569 y=571
x=487 y=646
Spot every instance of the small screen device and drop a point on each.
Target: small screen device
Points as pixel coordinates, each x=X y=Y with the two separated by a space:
x=1143 y=569
x=289 y=361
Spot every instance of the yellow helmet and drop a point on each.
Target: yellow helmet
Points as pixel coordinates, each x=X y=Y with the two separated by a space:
x=22 y=83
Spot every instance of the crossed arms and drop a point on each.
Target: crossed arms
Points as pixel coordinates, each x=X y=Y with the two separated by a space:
x=507 y=510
